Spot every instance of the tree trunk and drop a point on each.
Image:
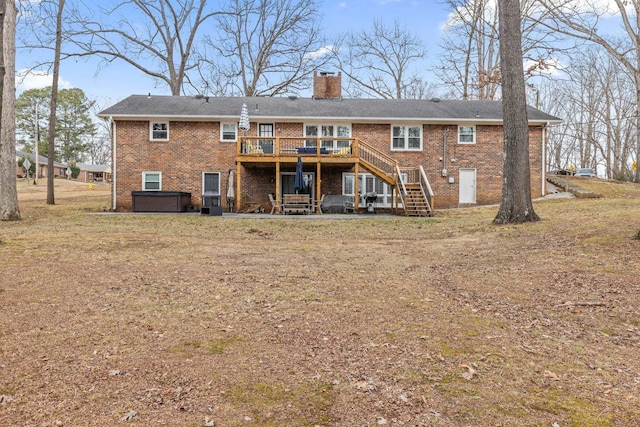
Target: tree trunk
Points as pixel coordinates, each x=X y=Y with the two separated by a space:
x=516 y=205
x=8 y=187
x=54 y=105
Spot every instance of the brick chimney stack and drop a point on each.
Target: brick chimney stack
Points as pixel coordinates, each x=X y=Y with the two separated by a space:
x=326 y=85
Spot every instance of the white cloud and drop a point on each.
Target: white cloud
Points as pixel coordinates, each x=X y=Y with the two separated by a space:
x=325 y=50
x=35 y=79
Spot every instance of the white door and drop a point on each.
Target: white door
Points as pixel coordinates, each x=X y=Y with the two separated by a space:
x=467 y=182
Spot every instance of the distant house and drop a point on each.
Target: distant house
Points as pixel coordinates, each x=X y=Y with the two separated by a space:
x=407 y=155
x=59 y=169
x=93 y=173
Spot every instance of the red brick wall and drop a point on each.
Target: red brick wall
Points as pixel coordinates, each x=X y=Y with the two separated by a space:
x=327 y=86
x=441 y=141
x=195 y=147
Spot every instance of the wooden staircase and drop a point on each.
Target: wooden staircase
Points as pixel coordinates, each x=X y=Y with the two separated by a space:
x=416 y=202
x=411 y=184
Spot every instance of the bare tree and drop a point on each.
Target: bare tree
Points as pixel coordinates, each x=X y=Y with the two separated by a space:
x=51 y=138
x=577 y=20
x=380 y=62
x=516 y=205
x=597 y=104
x=9 y=210
x=159 y=42
x=100 y=144
x=265 y=48
x=470 y=62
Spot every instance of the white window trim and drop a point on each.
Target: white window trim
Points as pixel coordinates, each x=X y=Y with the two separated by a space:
x=406 y=138
x=144 y=181
x=212 y=172
x=335 y=138
x=473 y=130
x=386 y=196
x=235 y=125
x=151 y=138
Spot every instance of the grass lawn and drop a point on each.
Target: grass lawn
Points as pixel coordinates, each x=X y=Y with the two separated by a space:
x=189 y=320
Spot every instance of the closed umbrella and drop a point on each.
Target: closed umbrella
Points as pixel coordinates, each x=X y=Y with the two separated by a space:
x=230 y=193
x=244 y=119
x=298 y=183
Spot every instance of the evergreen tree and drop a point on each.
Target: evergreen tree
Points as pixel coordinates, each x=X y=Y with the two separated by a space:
x=74 y=128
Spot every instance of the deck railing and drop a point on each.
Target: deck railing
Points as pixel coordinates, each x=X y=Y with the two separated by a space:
x=370 y=157
x=287 y=146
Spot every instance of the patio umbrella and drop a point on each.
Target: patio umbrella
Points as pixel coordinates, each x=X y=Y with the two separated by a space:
x=298 y=183
x=230 y=193
x=244 y=119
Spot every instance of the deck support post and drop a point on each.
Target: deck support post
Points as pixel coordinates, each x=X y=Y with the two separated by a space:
x=238 y=187
x=356 y=188
x=278 y=185
x=318 y=182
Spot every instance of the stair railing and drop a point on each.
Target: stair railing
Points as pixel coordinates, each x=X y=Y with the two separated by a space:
x=426 y=188
x=401 y=189
x=383 y=165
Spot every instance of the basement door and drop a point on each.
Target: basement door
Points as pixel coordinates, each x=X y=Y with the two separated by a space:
x=467 y=182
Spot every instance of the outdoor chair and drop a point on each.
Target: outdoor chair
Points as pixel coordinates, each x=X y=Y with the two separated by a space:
x=317 y=205
x=275 y=204
x=349 y=206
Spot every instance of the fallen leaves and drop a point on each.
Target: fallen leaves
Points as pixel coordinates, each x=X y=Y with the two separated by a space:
x=551 y=375
x=4 y=398
x=130 y=415
x=471 y=372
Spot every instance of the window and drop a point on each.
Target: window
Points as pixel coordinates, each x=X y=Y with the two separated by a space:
x=406 y=137
x=159 y=131
x=329 y=135
x=228 y=132
x=151 y=181
x=211 y=182
x=466 y=134
x=266 y=130
x=368 y=183
x=310 y=131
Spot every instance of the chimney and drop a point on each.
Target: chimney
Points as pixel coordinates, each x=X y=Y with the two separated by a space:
x=327 y=85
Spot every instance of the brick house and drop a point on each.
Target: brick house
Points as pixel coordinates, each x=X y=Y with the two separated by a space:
x=93 y=173
x=450 y=150
x=59 y=169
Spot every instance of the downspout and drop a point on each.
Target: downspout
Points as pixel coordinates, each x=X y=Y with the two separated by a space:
x=114 y=168
x=444 y=151
x=544 y=157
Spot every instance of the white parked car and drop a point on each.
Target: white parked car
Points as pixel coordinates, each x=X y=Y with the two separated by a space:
x=588 y=172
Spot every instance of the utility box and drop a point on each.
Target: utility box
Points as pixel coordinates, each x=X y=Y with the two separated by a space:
x=211 y=204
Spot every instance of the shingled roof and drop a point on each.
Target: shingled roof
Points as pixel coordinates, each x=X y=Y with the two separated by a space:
x=305 y=109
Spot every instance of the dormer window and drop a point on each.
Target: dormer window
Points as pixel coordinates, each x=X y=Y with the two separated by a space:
x=159 y=131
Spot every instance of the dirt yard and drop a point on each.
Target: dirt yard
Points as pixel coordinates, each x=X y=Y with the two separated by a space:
x=188 y=320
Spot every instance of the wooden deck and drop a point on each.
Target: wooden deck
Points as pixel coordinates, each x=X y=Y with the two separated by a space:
x=285 y=151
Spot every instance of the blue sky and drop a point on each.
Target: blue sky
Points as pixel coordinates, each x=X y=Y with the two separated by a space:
x=118 y=80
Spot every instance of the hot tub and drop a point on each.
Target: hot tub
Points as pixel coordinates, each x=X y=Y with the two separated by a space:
x=160 y=201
